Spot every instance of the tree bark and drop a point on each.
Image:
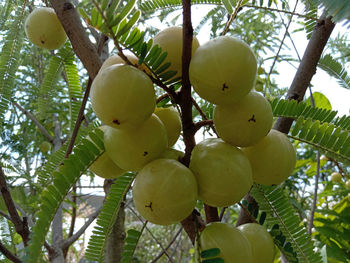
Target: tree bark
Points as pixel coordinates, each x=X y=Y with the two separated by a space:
x=115 y=242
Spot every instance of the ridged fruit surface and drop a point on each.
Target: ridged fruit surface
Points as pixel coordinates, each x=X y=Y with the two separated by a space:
x=44 y=29
x=104 y=166
x=244 y=123
x=261 y=242
x=132 y=149
x=115 y=59
x=172 y=122
x=336 y=177
x=45 y=146
x=223 y=172
x=170 y=40
x=234 y=246
x=122 y=96
x=223 y=70
x=273 y=158
x=165 y=192
x=171 y=153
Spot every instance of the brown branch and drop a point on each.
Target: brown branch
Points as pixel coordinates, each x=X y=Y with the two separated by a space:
x=200 y=124
x=211 y=214
x=69 y=241
x=307 y=67
x=193 y=223
x=35 y=121
x=185 y=92
x=5 y=215
x=244 y=215
x=302 y=78
x=82 y=46
x=21 y=226
x=7 y=253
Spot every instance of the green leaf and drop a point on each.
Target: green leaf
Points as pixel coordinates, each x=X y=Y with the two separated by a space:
x=107 y=217
x=209 y=253
x=321 y=101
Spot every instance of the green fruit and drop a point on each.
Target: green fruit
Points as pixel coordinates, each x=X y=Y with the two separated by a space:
x=115 y=60
x=172 y=122
x=234 y=246
x=132 y=149
x=223 y=172
x=44 y=29
x=165 y=192
x=347 y=184
x=336 y=177
x=261 y=242
x=170 y=40
x=45 y=147
x=244 y=123
x=122 y=96
x=223 y=70
x=104 y=166
x=171 y=153
x=273 y=158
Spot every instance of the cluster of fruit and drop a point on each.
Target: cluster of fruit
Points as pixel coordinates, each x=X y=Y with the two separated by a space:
x=138 y=137
x=165 y=191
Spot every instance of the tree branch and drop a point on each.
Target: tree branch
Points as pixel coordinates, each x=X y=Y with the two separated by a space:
x=82 y=46
x=7 y=253
x=21 y=226
x=307 y=67
x=301 y=81
x=36 y=122
x=69 y=241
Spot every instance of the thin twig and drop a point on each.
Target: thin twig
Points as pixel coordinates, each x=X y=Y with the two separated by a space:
x=247 y=213
x=5 y=215
x=35 y=121
x=232 y=17
x=7 y=253
x=21 y=226
x=168 y=246
x=281 y=11
x=282 y=41
x=150 y=232
x=69 y=241
x=314 y=201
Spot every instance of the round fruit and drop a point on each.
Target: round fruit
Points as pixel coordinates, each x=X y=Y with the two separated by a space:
x=244 y=123
x=273 y=158
x=223 y=172
x=171 y=153
x=45 y=147
x=165 y=192
x=104 y=166
x=261 y=242
x=223 y=70
x=170 y=40
x=115 y=59
x=172 y=122
x=122 y=96
x=336 y=177
x=44 y=29
x=347 y=184
x=234 y=246
x=132 y=149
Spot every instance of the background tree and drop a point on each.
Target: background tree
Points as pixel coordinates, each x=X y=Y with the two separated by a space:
x=44 y=98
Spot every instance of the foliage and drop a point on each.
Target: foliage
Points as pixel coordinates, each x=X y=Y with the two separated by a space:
x=51 y=85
